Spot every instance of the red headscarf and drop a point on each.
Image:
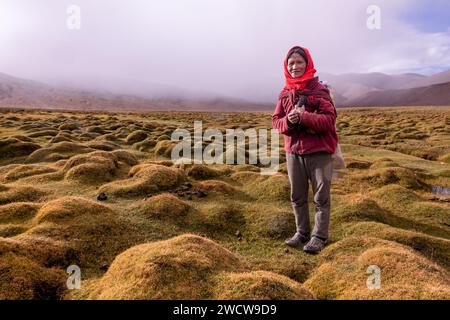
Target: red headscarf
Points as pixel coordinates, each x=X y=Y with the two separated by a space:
x=294 y=87
x=300 y=82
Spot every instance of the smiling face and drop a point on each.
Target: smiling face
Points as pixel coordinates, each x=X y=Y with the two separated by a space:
x=296 y=65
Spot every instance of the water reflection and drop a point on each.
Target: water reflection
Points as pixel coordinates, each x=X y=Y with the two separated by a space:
x=440 y=189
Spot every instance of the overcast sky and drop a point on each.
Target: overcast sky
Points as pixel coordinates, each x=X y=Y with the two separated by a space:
x=229 y=47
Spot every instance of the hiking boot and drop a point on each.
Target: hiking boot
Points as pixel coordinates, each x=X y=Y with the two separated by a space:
x=297 y=239
x=314 y=245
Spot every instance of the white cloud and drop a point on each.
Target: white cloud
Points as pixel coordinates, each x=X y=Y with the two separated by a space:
x=230 y=47
x=407 y=49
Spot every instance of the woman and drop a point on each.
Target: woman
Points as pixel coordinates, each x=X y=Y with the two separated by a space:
x=306 y=116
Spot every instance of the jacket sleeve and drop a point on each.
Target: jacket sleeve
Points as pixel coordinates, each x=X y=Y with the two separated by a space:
x=280 y=121
x=323 y=120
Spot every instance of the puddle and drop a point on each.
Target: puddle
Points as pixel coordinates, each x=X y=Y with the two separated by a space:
x=440 y=189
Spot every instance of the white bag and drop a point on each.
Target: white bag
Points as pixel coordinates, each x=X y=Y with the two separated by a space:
x=337 y=156
x=338 y=159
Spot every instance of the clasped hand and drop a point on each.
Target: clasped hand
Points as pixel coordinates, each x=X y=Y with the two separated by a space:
x=295 y=115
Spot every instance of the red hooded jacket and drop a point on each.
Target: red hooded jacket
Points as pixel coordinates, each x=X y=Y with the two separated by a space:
x=317 y=128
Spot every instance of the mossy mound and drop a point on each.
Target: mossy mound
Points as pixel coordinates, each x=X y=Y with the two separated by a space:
x=69 y=126
x=43 y=250
x=420 y=214
x=21 y=138
x=20 y=193
x=164 y=147
x=71 y=208
x=445 y=158
x=18 y=212
x=270 y=222
x=5 y=169
x=108 y=137
x=398 y=175
x=92 y=229
x=293 y=266
x=43 y=133
x=352 y=163
x=10 y=230
x=146 y=179
x=258 y=285
x=96 y=129
x=404 y=274
x=273 y=188
x=94 y=167
x=164 y=206
x=246 y=177
x=216 y=186
x=201 y=171
x=177 y=268
x=61 y=137
x=384 y=163
x=13 y=147
x=22 y=171
x=360 y=208
x=102 y=145
x=57 y=151
x=145 y=145
x=398 y=210
x=396 y=194
x=136 y=136
x=246 y=167
x=163 y=137
x=434 y=248
x=24 y=279
x=220 y=217
x=125 y=156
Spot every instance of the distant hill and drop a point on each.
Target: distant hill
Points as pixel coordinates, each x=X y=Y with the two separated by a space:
x=354 y=89
x=17 y=92
x=436 y=94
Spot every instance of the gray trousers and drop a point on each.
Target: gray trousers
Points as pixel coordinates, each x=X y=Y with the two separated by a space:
x=318 y=168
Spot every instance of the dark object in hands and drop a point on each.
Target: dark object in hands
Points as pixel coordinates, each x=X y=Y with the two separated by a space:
x=311 y=131
x=301 y=101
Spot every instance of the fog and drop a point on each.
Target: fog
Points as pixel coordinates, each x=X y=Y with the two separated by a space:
x=201 y=48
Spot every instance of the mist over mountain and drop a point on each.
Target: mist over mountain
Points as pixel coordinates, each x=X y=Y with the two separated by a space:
x=371 y=89
x=16 y=92
x=353 y=89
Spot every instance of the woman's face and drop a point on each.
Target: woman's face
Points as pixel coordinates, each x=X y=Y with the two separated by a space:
x=296 y=65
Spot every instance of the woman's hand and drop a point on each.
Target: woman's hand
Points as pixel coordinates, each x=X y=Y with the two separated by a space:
x=293 y=116
x=300 y=110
